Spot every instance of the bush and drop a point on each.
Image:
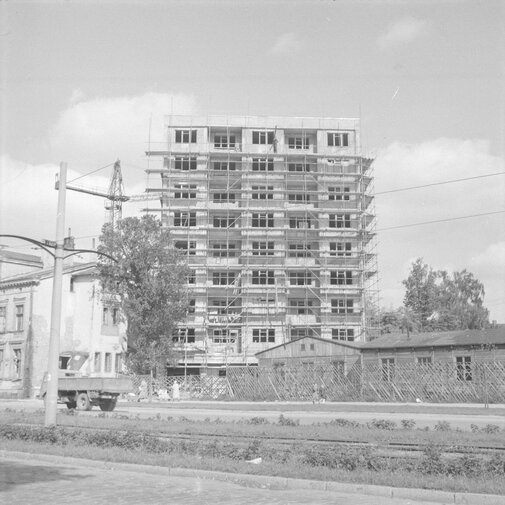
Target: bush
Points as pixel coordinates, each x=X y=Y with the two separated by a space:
x=442 y=426
x=257 y=420
x=382 y=424
x=431 y=462
x=344 y=423
x=286 y=421
x=474 y=428
x=408 y=424
x=467 y=466
x=491 y=428
x=345 y=458
x=496 y=465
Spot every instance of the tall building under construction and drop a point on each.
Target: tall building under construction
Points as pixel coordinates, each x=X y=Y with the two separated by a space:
x=276 y=217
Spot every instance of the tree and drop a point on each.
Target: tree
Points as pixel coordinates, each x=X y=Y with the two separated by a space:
x=440 y=301
x=149 y=281
x=399 y=320
x=421 y=292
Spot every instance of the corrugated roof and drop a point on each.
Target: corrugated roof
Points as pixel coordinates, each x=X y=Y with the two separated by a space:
x=439 y=339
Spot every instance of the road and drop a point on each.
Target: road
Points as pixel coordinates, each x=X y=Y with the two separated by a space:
x=306 y=413
x=39 y=482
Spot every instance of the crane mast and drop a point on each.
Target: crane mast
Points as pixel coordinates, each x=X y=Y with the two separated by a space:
x=115 y=196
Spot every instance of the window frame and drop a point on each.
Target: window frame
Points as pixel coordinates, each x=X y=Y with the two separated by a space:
x=343 y=334
x=3 y=318
x=19 y=317
x=185 y=163
x=262 y=220
x=338 y=139
x=342 y=306
x=263 y=277
x=185 y=136
x=388 y=366
x=263 y=335
x=229 y=141
x=263 y=137
x=464 y=368
x=223 y=278
x=262 y=165
x=184 y=219
x=341 y=278
x=299 y=142
x=262 y=248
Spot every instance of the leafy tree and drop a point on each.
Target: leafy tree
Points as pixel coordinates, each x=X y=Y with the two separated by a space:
x=440 y=301
x=399 y=320
x=421 y=292
x=149 y=280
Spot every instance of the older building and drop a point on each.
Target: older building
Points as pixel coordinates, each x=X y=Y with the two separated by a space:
x=89 y=324
x=275 y=215
x=460 y=348
x=453 y=366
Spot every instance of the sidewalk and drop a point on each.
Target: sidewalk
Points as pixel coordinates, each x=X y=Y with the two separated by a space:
x=323 y=491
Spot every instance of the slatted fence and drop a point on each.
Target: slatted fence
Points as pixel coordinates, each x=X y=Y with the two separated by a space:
x=483 y=382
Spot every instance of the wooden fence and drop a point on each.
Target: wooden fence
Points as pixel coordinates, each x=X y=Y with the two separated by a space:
x=191 y=387
x=483 y=382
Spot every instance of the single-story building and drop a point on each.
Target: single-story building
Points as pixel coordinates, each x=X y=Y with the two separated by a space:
x=465 y=365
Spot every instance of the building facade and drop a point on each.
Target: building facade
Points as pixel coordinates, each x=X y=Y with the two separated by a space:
x=90 y=324
x=276 y=218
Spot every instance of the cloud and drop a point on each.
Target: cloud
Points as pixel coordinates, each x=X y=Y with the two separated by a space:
x=29 y=202
x=490 y=265
x=402 y=31
x=285 y=43
x=93 y=132
x=452 y=245
x=492 y=257
x=90 y=133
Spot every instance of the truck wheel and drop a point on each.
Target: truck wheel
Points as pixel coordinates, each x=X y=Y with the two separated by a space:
x=82 y=402
x=108 y=405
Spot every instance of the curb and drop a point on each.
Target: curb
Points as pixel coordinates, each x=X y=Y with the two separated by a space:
x=271 y=482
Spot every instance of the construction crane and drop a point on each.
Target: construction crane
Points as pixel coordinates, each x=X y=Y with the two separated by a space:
x=115 y=196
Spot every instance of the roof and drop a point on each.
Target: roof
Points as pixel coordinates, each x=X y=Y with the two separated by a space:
x=46 y=273
x=353 y=345
x=281 y=122
x=491 y=336
x=7 y=256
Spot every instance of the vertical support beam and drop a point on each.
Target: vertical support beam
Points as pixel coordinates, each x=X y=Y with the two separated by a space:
x=54 y=338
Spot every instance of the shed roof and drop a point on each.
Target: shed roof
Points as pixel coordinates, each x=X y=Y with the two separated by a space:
x=491 y=336
x=351 y=345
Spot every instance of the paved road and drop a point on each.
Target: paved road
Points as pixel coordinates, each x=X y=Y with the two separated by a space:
x=59 y=483
x=305 y=413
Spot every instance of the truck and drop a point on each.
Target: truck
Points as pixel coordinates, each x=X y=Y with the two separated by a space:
x=82 y=392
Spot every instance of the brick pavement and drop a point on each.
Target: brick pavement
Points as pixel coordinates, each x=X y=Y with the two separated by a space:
x=58 y=482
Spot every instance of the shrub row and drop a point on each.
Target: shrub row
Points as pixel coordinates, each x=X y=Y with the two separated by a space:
x=349 y=458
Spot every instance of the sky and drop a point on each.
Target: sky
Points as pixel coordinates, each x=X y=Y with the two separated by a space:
x=90 y=82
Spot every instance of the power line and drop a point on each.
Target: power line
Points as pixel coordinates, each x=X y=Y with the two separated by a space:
x=441 y=220
x=438 y=183
x=92 y=172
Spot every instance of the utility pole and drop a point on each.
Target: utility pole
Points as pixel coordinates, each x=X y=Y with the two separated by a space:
x=54 y=338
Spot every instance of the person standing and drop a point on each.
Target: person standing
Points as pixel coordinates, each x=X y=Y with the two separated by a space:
x=176 y=394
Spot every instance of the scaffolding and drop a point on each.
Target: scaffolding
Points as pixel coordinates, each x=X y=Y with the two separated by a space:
x=276 y=217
